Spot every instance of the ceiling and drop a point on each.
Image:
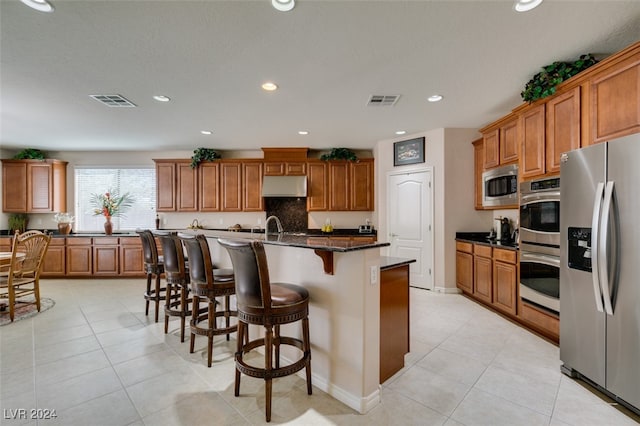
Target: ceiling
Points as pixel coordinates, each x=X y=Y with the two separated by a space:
x=327 y=57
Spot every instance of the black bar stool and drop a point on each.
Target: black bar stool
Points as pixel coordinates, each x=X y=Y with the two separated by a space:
x=176 y=275
x=154 y=268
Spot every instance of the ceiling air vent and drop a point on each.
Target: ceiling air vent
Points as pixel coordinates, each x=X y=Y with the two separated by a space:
x=114 y=101
x=383 y=100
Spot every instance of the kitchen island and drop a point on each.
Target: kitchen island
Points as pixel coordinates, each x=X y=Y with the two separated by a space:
x=344 y=309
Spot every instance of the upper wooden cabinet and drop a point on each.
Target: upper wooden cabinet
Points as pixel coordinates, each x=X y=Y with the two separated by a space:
x=339 y=185
x=176 y=186
x=478 y=152
x=532 y=136
x=615 y=93
x=252 y=200
x=317 y=186
x=285 y=168
x=361 y=197
x=231 y=186
x=34 y=186
x=209 y=184
x=563 y=127
x=500 y=144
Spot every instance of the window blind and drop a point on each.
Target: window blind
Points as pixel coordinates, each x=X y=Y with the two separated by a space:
x=139 y=182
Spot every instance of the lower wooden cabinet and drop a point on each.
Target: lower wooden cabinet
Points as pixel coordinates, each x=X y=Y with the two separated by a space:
x=464 y=267
x=131 y=257
x=105 y=256
x=79 y=257
x=505 y=280
x=482 y=273
x=53 y=264
x=5 y=244
x=394 y=320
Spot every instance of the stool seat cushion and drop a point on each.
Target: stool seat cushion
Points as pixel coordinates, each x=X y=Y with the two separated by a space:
x=223 y=274
x=287 y=294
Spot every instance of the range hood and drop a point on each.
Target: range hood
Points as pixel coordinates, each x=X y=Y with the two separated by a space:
x=284 y=186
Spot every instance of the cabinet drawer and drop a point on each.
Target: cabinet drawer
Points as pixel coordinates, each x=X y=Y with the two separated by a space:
x=508 y=256
x=56 y=242
x=483 y=251
x=540 y=319
x=465 y=247
x=80 y=241
x=105 y=241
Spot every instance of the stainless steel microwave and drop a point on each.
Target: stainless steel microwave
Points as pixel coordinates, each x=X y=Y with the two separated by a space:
x=500 y=186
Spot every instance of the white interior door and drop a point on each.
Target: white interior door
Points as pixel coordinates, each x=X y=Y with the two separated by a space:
x=410 y=222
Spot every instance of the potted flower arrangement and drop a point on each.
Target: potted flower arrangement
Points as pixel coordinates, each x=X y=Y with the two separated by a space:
x=64 y=221
x=110 y=204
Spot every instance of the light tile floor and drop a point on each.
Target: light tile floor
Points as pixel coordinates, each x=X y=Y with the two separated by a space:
x=97 y=360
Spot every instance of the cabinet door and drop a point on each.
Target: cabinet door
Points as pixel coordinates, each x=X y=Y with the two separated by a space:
x=615 y=110
x=79 y=257
x=482 y=273
x=317 y=186
x=491 y=149
x=361 y=186
x=338 y=186
x=39 y=188
x=165 y=186
x=532 y=134
x=274 y=169
x=478 y=161
x=464 y=271
x=14 y=187
x=105 y=256
x=131 y=257
x=5 y=244
x=231 y=187
x=509 y=142
x=209 y=176
x=187 y=183
x=563 y=127
x=252 y=187
x=504 y=288
x=53 y=264
x=295 y=169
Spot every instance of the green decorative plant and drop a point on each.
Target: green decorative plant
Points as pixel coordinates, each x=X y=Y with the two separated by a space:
x=29 y=154
x=545 y=82
x=339 y=154
x=203 y=154
x=18 y=222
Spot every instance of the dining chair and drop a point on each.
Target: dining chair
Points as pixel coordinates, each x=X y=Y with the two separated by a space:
x=22 y=278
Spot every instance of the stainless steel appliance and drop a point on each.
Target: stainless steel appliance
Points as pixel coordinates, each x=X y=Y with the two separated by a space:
x=600 y=267
x=500 y=186
x=540 y=242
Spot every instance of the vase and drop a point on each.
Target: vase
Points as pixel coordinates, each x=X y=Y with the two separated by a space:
x=64 y=228
x=108 y=226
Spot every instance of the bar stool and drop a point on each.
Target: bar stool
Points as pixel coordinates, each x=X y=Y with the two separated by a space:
x=270 y=305
x=176 y=275
x=204 y=285
x=154 y=268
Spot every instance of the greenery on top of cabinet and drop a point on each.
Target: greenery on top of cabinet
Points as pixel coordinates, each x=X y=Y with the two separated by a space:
x=340 y=154
x=203 y=154
x=545 y=82
x=29 y=154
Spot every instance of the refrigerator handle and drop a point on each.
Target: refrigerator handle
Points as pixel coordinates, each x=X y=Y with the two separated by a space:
x=604 y=255
x=595 y=256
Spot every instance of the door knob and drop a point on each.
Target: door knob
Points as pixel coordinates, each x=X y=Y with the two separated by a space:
x=393 y=235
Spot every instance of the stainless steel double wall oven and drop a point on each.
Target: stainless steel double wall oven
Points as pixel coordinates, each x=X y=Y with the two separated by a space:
x=540 y=242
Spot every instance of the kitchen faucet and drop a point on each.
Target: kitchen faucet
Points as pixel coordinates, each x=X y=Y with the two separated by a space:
x=278 y=224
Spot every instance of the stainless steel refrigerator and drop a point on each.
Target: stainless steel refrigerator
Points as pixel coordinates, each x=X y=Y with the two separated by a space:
x=600 y=266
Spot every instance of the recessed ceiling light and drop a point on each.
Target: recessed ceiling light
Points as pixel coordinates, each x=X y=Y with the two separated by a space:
x=206 y=132
x=269 y=86
x=434 y=98
x=40 y=5
x=162 y=98
x=283 y=5
x=401 y=132
x=303 y=132
x=526 y=5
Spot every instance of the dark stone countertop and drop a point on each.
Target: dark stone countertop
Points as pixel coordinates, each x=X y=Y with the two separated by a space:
x=483 y=239
x=388 y=262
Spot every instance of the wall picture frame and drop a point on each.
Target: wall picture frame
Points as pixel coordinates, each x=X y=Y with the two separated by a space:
x=408 y=152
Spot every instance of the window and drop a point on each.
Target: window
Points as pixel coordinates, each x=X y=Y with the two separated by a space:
x=139 y=182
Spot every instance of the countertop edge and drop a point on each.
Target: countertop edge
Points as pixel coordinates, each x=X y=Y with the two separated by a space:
x=389 y=262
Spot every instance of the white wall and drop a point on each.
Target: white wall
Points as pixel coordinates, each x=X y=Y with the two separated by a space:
x=450 y=153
